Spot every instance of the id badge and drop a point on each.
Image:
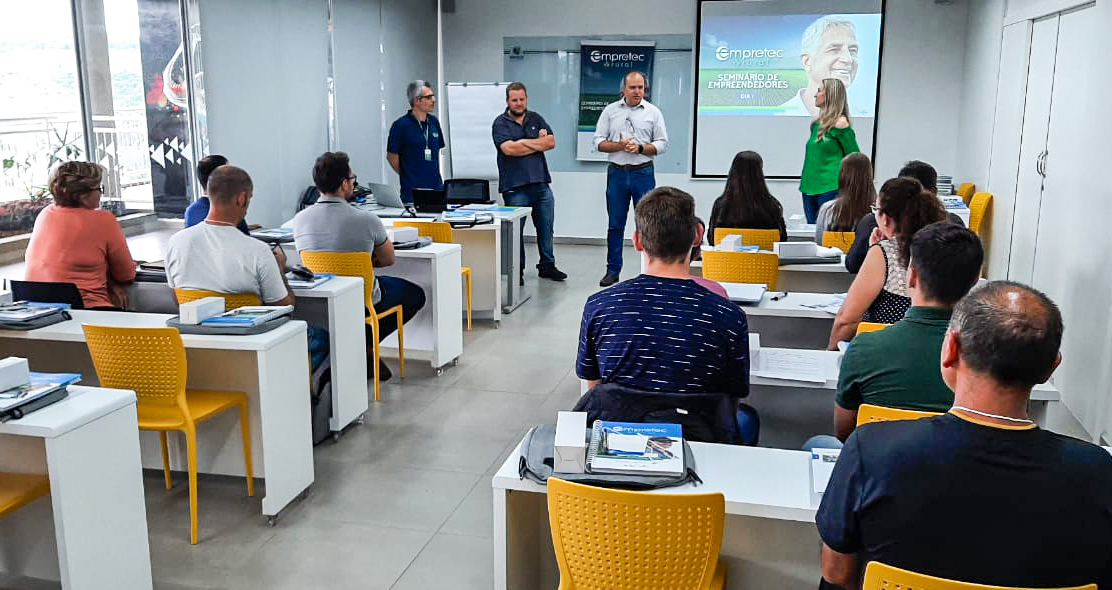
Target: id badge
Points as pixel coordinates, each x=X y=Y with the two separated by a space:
x=428 y=155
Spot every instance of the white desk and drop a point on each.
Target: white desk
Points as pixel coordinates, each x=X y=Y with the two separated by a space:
x=88 y=444
x=435 y=334
x=831 y=277
x=804 y=233
x=272 y=368
x=336 y=306
x=770 y=539
x=786 y=323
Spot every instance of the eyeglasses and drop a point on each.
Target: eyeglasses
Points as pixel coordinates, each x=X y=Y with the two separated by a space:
x=427 y=96
x=876 y=210
x=354 y=179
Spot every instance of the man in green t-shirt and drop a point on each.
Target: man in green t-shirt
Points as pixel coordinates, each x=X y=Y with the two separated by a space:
x=898 y=367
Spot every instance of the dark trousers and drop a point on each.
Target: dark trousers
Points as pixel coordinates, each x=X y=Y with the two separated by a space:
x=538 y=196
x=812 y=204
x=622 y=186
x=396 y=291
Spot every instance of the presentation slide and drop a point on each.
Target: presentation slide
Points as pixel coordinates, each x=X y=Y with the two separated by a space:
x=759 y=67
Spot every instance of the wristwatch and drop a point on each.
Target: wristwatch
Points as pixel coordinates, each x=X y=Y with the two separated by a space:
x=640 y=148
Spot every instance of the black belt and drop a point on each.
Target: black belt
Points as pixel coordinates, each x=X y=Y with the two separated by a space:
x=640 y=166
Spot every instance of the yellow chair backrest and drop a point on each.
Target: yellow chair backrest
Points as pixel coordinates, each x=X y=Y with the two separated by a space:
x=150 y=361
x=344 y=264
x=606 y=538
x=842 y=240
x=966 y=190
x=762 y=238
x=868 y=413
x=231 y=301
x=978 y=206
x=742 y=267
x=439 y=231
x=879 y=576
x=866 y=327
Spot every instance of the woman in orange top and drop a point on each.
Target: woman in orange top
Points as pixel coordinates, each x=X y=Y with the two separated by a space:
x=74 y=241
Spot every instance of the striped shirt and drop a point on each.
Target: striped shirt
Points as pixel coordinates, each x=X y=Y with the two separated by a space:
x=663 y=334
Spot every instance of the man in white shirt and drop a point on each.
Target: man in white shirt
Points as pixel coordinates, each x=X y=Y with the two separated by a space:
x=632 y=131
x=216 y=256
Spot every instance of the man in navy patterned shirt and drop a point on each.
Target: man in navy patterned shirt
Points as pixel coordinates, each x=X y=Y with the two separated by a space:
x=662 y=331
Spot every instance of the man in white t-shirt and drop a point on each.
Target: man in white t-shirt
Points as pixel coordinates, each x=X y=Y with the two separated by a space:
x=215 y=256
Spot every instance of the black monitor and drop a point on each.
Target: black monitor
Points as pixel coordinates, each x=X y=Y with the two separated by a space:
x=467 y=191
x=429 y=200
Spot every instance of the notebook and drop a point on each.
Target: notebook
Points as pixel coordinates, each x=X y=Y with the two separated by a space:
x=744 y=292
x=250 y=315
x=635 y=448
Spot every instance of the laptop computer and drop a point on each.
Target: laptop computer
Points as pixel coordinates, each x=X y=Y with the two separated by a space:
x=467 y=191
x=428 y=200
x=386 y=195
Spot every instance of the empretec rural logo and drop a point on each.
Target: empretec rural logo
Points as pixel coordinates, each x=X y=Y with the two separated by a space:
x=597 y=56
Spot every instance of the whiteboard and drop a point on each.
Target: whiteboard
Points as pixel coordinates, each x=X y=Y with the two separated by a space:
x=472 y=108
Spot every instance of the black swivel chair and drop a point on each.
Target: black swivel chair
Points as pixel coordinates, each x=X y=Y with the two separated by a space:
x=40 y=292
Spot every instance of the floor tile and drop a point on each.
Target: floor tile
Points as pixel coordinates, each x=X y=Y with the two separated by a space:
x=457 y=561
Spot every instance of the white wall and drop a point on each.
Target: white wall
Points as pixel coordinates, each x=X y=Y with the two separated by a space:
x=357 y=65
x=980 y=72
x=924 y=49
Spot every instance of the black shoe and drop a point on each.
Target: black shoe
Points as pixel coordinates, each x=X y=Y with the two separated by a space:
x=551 y=272
x=608 y=280
x=384 y=373
x=521 y=279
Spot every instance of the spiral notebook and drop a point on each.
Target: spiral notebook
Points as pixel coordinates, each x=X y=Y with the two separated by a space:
x=635 y=448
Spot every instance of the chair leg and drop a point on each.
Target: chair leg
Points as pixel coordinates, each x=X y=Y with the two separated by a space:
x=401 y=345
x=165 y=458
x=245 y=427
x=191 y=450
x=467 y=281
x=376 y=363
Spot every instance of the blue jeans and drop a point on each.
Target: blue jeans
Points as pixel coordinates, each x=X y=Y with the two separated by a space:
x=622 y=186
x=749 y=423
x=812 y=203
x=396 y=291
x=538 y=196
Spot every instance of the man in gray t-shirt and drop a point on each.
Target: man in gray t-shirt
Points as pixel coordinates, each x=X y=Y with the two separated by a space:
x=333 y=225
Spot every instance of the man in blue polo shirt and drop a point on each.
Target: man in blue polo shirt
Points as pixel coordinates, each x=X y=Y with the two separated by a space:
x=522 y=137
x=413 y=147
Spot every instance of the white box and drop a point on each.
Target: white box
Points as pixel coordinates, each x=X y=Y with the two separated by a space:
x=730 y=243
x=796 y=221
x=795 y=249
x=754 y=350
x=570 y=455
x=14 y=372
x=200 y=310
x=402 y=234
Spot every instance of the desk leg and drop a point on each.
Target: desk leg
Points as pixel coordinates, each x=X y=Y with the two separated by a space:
x=349 y=358
x=284 y=421
x=517 y=539
x=100 y=519
x=514 y=295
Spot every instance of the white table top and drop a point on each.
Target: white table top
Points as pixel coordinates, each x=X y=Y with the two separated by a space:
x=81 y=406
x=790 y=305
x=831 y=360
x=756 y=481
x=434 y=250
x=70 y=330
x=805 y=231
x=330 y=288
x=395 y=213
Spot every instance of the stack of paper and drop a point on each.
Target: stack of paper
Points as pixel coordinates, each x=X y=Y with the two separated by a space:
x=791 y=365
x=822 y=466
x=832 y=305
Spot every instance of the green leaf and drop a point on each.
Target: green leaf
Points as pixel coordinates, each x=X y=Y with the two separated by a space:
x=8 y=163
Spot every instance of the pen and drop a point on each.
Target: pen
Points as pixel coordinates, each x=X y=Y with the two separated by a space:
x=780 y=296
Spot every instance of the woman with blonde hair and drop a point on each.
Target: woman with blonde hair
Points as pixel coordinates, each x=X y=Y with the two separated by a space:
x=856 y=194
x=75 y=241
x=832 y=139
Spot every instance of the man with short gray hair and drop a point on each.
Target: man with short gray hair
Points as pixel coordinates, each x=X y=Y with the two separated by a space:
x=413 y=147
x=631 y=130
x=828 y=50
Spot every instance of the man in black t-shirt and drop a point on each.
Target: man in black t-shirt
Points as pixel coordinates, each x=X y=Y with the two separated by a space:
x=980 y=494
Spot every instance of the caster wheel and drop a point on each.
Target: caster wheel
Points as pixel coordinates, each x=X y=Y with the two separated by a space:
x=271 y=521
x=455 y=362
x=439 y=371
x=335 y=437
x=361 y=419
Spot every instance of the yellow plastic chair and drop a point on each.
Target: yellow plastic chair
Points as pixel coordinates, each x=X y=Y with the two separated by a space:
x=231 y=301
x=842 y=240
x=742 y=267
x=868 y=413
x=606 y=538
x=358 y=264
x=978 y=206
x=441 y=232
x=762 y=238
x=151 y=361
x=966 y=190
x=866 y=327
x=20 y=489
x=879 y=576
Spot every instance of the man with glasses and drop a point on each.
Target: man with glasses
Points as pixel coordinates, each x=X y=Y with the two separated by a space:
x=413 y=147
x=333 y=225
x=632 y=132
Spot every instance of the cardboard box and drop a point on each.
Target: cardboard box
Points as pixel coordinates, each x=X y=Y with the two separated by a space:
x=570 y=455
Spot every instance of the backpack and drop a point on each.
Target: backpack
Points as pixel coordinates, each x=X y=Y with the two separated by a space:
x=308 y=197
x=321 y=401
x=705 y=417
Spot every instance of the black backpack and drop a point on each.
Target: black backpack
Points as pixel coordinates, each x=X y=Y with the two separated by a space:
x=705 y=417
x=308 y=197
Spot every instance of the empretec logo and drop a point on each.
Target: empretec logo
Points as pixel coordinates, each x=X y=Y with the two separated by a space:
x=723 y=53
x=597 y=56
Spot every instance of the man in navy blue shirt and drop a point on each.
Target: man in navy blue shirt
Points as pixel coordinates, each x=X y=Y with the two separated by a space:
x=415 y=140
x=662 y=331
x=522 y=137
x=198 y=210
x=980 y=494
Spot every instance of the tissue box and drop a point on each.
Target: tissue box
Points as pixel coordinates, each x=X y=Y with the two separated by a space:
x=570 y=455
x=402 y=234
x=200 y=310
x=754 y=350
x=795 y=249
x=796 y=221
x=14 y=372
x=730 y=243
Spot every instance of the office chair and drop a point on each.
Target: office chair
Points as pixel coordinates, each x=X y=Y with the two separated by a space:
x=868 y=413
x=742 y=267
x=978 y=206
x=231 y=301
x=761 y=238
x=879 y=576
x=441 y=232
